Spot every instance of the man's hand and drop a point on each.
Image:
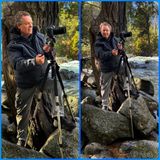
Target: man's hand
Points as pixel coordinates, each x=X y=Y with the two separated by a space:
x=115 y=52
x=40 y=59
x=47 y=48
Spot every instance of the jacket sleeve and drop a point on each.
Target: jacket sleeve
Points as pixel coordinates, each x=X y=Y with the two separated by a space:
x=42 y=41
x=101 y=53
x=19 y=63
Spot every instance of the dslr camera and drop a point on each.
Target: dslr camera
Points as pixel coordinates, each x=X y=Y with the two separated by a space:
x=52 y=31
x=122 y=36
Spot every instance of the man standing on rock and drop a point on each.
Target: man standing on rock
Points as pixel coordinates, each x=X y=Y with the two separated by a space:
x=27 y=53
x=106 y=50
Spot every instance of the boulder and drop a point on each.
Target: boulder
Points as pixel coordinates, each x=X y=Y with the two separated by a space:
x=87 y=100
x=69 y=144
x=87 y=92
x=104 y=127
x=10 y=150
x=68 y=75
x=142 y=118
x=145 y=86
x=140 y=149
x=94 y=148
x=8 y=130
x=126 y=149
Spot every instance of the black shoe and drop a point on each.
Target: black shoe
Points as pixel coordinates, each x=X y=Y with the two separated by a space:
x=67 y=124
x=21 y=143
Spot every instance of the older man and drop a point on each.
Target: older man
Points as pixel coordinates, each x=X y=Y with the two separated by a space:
x=27 y=52
x=106 y=50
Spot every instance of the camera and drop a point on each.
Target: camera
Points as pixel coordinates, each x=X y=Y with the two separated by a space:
x=122 y=36
x=52 y=31
x=125 y=34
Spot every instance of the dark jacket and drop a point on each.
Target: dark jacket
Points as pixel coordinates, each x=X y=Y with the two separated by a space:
x=22 y=53
x=103 y=50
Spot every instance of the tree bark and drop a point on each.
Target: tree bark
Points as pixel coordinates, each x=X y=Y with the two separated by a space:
x=113 y=13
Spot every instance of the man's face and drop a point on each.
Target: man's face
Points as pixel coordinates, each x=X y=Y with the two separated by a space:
x=105 y=31
x=26 y=27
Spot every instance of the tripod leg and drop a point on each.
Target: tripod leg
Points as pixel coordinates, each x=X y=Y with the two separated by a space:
x=130 y=113
x=65 y=96
x=129 y=95
x=59 y=129
x=58 y=117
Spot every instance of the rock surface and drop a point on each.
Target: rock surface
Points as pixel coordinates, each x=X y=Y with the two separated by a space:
x=126 y=149
x=142 y=118
x=140 y=149
x=69 y=146
x=102 y=126
x=87 y=92
x=10 y=150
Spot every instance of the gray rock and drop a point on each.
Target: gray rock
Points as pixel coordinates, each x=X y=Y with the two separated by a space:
x=137 y=65
x=5 y=124
x=94 y=148
x=10 y=150
x=102 y=126
x=153 y=136
x=140 y=149
x=129 y=149
x=69 y=146
x=87 y=92
x=87 y=100
x=144 y=85
x=68 y=75
x=142 y=118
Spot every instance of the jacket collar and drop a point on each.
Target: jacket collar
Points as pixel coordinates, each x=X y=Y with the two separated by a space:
x=15 y=33
x=101 y=37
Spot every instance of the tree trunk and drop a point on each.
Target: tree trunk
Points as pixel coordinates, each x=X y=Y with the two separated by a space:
x=113 y=13
x=43 y=15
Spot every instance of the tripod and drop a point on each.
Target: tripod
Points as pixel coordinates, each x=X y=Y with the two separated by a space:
x=54 y=75
x=130 y=88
